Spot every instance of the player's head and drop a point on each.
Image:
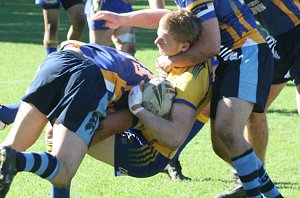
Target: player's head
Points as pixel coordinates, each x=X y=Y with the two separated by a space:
x=177 y=31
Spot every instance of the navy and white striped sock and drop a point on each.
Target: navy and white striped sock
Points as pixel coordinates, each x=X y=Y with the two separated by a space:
x=42 y=163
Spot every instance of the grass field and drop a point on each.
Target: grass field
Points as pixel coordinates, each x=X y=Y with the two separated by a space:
x=21 y=51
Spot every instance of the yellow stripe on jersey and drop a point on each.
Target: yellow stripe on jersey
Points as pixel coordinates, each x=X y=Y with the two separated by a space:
x=250 y=33
x=286 y=10
x=202 y=118
x=110 y=79
x=194 y=4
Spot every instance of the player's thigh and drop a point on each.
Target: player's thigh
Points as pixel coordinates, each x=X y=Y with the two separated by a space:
x=124 y=37
x=101 y=37
x=51 y=17
x=69 y=149
x=274 y=92
x=76 y=14
x=27 y=127
x=104 y=150
x=232 y=114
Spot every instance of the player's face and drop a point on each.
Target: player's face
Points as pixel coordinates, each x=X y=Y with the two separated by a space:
x=166 y=44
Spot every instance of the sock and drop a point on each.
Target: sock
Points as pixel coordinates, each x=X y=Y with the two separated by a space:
x=42 y=164
x=8 y=113
x=60 y=192
x=267 y=187
x=246 y=166
x=49 y=50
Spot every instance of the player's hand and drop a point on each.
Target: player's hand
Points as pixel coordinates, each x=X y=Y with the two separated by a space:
x=113 y=20
x=164 y=63
x=161 y=72
x=135 y=98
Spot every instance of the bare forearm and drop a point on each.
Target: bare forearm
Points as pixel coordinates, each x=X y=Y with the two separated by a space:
x=155 y=4
x=113 y=124
x=164 y=130
x=148 y=18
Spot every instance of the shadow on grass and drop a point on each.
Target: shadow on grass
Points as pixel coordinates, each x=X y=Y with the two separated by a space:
x=21 y=21
x=280 y=185
x=288 y=185
x=283 y=111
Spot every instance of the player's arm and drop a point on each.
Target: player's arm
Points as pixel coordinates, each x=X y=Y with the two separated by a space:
x=172 y=132
x=207 y=46
x=148 y=18
x=74 y=42
x=155 y=4
x=114 y=123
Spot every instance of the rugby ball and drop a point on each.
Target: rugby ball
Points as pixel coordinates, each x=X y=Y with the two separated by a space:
x=158 y=97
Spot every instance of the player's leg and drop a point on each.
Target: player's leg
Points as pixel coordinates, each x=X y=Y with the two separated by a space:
x=51 y=23
x=98 y=33
x=69 y=149
x=130 y=154
x=174 y=168
x=232 y=105
x=8 y=114
x=28 y=126
x=103 y=150
x=124 y=39
x=257 y=131
x=100 y=36
x=295 y=74
x=75 y=11
x=298 y=98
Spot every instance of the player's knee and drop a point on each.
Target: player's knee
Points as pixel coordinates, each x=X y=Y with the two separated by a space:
x=63 y=179
x=129 y=48
x=125 y=42
x=61 y=183
x=225 y=132
x=78 y=23
x=50 y=43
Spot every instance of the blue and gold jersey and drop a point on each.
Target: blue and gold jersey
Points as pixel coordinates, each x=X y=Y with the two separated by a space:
x=277 y=16
x=120 y=70
x=237 y=25
x=193 y=88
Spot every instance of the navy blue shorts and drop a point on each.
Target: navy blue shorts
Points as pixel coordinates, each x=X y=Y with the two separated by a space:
x=288 y=48
x=55 y=4
x=70 y=88
x=136 y=157
x=245 y=74
x=117 y=6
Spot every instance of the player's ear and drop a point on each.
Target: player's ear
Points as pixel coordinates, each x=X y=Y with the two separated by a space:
x=185 y=46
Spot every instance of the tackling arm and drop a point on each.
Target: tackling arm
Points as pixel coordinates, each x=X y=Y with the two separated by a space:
x=172 y=133
x=148 y=18
x=206 y=47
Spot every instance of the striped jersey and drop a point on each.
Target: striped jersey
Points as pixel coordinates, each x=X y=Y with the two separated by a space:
x=238 y=27
x=120 y=70
x=277 y=16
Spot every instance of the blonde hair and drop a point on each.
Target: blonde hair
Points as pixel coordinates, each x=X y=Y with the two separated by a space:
x=182 y=24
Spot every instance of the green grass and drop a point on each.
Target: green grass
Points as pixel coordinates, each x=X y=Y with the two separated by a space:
x=21 y=51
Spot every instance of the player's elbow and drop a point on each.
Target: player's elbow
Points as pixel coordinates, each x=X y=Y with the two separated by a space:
x=176 y=141
x=213 y=50
x=174 y=145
